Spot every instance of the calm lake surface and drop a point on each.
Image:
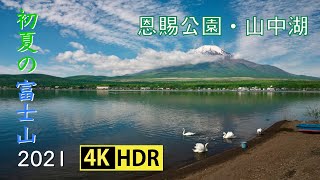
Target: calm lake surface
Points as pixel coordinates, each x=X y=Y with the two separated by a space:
x=66 y=119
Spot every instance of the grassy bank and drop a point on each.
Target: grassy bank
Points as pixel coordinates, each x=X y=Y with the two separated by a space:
x=156 y=83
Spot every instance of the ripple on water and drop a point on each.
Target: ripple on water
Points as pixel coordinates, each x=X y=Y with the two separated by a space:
x=67 y=119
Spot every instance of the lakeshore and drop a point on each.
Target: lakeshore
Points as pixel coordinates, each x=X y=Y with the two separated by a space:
x=241 y=84
x=171 y=90
x=104 y=117
x=280 y=153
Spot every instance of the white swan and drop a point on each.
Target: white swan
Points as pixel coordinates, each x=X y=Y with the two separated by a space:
x=228 y=135
x=199 y=148
x=259 y=131
x=187 y=133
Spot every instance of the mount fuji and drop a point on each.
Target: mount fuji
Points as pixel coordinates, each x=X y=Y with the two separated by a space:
x=225 y=66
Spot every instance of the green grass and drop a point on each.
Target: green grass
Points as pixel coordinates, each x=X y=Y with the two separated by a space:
x=173 y=83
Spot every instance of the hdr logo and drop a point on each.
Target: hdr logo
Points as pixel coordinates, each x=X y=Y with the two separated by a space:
x=121 y=157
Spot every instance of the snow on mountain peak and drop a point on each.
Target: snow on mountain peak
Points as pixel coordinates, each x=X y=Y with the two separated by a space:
x=211 y=50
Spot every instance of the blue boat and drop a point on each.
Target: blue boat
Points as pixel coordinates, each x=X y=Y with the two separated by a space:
x=309 y=128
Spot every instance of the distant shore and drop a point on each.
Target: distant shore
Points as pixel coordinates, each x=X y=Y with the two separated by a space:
x=280 y=153
x=174 y=90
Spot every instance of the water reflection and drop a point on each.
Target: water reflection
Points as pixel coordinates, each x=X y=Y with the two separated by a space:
x=66 y=119
x=228 y=141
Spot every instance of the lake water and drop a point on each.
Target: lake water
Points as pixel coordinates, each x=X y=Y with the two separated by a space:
x=66 y=119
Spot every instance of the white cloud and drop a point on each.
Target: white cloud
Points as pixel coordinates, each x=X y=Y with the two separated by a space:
x=77 y=45
x=55 y=70
x=40 y=50
x=109 y=22
x=9 y=69
x=147 y=59
x=68 y=33
x=116 y=22
x=294 y=53
x=35 y=47
x=62 y=70
x=80 y=62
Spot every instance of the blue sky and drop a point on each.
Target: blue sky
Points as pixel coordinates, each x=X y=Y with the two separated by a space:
x=76 y=37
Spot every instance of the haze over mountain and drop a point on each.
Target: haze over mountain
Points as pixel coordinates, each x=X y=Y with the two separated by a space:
x=221 y=65
x=225 y=66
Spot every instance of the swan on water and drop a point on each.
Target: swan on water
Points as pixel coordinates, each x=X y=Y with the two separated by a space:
x=187 y=133
x=259 y=131
x=228 y=135
x=199 y=148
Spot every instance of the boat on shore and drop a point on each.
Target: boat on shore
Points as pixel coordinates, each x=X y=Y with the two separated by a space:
x=309 y=128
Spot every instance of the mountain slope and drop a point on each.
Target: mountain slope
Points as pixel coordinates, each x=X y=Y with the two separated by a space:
x=42 y=80
x=226 y=67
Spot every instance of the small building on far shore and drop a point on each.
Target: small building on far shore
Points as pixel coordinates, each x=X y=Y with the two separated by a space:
x=102 y=87
x=271 y=88
x=243 y=89
x=145 y=88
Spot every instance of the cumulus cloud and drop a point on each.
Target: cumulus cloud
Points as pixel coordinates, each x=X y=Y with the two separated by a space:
x=290 y=53
x=80 y=62
x=40 y=50
x=145 y=60
x=76 y=45
x=109 y=22
x=116 y=22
